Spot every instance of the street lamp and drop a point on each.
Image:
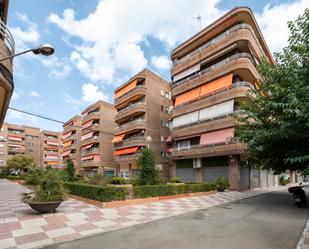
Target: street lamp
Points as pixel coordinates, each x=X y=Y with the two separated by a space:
x=45 y=49
x=148 y=140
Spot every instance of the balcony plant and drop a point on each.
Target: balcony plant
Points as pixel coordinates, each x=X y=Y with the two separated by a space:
x=221 y=184
x=48 y=190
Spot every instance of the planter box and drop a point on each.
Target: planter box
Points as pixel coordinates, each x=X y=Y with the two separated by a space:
x=115 y=204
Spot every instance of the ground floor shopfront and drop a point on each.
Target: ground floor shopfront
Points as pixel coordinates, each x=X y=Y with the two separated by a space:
x=239 y=174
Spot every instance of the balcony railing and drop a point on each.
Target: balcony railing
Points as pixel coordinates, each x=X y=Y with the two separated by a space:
x=7 y=37
x=92 y=150
x=91 y=114
x=234 y=85
x=231 y=114
x=131 y=106
x=216 y=40
x=138 y=121
x=212 y=67
x=229 y=140
x=139 y=87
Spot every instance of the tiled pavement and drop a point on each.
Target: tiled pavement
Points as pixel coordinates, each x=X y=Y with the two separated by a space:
x=20 y=227
x=304 y=240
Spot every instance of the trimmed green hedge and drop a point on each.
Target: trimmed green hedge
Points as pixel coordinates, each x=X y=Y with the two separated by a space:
x=162 y=190
x=99 y=193
x=15 y=177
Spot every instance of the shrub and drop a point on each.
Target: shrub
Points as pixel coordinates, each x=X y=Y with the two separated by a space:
x=5 y=172
x=15 y=177
x=283 y=181
x=99 y=193
x=221 y=184
x=149 y=174
x=47 y=185
x=135 y=181
x=163 y=190
x=99 y=180
x=175 y=180
x=70 y=170
x=118 y=181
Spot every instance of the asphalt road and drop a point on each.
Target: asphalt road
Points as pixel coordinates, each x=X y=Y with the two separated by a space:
x=267 y=221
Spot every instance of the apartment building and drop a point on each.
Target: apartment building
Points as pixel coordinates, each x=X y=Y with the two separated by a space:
x=97 y=127
x=211 y=74
x=143 y=111
x=51 y=149
x=7 y=49
x=71 y=136
x=21 y=139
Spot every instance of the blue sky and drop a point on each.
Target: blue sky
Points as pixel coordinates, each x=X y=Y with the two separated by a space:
x=100 y=44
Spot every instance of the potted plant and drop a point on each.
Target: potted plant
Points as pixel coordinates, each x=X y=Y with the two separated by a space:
x=221 y=184
x=48 y=190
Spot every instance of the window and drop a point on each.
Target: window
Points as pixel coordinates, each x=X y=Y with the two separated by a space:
x=162 y=139
x=29 y=137
x=162 y=154
x=124 y=174
x=1 y=145
x=167 y=95
x=30 y=144
x=162 y=108
x=162 y=93
x=1 y=161
x=184 y=145
x=162 y=123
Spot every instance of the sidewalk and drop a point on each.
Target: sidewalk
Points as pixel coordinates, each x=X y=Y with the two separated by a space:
x=304 y=240
x=20 y=227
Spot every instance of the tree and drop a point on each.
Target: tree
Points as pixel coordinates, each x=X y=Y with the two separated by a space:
x=70 y=169
x=276 y=121
x=20 y=162
x=149 y=174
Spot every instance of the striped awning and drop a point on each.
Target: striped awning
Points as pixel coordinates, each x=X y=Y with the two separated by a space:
x=15 y=138
x=87 y=124
x=66 y=135
x=52 y=143
x=66 y=153
x=87 y=146
x=126 y=151
x=68 y=143
x=86 y=136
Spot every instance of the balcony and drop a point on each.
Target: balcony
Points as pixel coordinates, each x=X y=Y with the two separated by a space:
x=242 y=62
x=16 y=150
x=130 y=142
x=198 y=128
x=126 y=158
x=90 y=151
x=136 y=93
x=131 y=126
x=92 y=115
x=69 y=128
x=93 y=139
x=235 y=91
x=134 y=109
x=93 y=127
x=240 y=32
x=71 y=137
x=199 y=151
x=91 y=163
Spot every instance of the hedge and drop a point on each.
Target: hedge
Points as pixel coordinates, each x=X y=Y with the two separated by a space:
x=99 y=193
x=162 y=190
x=15 y=177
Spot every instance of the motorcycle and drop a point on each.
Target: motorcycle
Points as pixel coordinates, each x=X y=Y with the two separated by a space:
x=298 y=195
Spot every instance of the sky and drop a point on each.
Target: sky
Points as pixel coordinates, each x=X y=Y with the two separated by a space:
x=100 y=44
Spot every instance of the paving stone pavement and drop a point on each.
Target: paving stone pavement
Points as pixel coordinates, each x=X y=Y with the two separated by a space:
x=20 y=227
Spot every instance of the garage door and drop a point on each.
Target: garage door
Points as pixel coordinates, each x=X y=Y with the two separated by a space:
x=244 y=177
x=255 y=178
x=186 y=174
x=264 y=178
x=215 y=167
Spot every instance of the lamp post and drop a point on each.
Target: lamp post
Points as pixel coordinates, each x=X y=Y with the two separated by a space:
x=149 y=140
x=45 y=49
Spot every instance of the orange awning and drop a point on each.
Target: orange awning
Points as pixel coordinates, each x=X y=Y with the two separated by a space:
x=87 y=124
x=125 y=89
x=126 y=151
x=52 y=163
x=118 y=138
x=217 y=84
x=188 y=96
x=66 y=153
x=66 y=135
x=87 y=146
x=66 y=144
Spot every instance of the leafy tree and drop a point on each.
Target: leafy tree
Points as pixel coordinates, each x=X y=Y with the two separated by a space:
x=70 y=169
x=20 y=162
x=149 y=174
x=276 y=124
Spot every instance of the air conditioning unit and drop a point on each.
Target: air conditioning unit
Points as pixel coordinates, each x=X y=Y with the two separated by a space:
x=197 y=163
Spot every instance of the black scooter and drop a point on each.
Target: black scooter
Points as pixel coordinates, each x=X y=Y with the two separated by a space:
x=298 y=195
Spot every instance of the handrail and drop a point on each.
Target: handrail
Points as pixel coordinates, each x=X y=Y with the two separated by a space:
x=209 y=119
x=7 y=37
x=215 y=40
x=212 y=67
x=234 y=85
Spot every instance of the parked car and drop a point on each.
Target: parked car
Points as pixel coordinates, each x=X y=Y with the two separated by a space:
x=300 y=194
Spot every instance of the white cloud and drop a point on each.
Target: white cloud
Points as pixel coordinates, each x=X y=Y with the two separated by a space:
x=161 y=62
x=58 y=68
x=34 y=94
x=28 y=36
x=273 y=22
x=110 y=38
x=16 y=95
x=91 y=93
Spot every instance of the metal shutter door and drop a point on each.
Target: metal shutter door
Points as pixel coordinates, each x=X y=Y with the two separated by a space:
x=186 y=174
x=264 y=178
x=255 y=178
x=270 y=178
x=244 y=177
x=213 y=172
